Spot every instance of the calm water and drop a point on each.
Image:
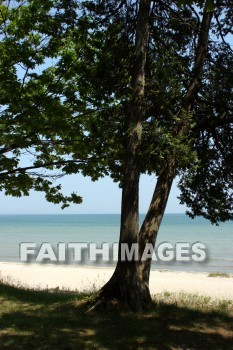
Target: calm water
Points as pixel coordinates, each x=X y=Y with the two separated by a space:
x=15 y=229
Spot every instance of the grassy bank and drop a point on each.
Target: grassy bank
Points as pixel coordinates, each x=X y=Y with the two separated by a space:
x=58 y=320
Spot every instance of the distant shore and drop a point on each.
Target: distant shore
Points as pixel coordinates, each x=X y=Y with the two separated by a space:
x=92 y=278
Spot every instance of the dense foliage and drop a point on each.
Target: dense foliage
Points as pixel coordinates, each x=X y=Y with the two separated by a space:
x=65 y=94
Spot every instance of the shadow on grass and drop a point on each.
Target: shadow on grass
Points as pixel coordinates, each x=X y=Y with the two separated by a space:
x=39 y=296
x=42 y=320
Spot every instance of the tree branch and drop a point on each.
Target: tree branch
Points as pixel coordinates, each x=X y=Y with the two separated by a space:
x=220 y=32
x=202 y=47
x=62 y=162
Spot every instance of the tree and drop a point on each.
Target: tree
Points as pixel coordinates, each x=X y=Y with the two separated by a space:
x=179 y=134
x=114 y=71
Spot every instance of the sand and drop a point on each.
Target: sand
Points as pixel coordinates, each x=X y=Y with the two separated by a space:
x=88 y=278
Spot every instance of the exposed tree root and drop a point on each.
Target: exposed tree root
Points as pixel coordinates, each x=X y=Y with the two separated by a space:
x=121 y=292
x=98 y=305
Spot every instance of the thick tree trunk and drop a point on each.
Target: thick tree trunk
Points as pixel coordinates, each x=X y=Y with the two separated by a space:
x=127 y=287
x=130 y=280
x=150 y=227
x=125 y=284
x=130 y=186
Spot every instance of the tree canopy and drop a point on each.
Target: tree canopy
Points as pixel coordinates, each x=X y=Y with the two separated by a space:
x=66 y=69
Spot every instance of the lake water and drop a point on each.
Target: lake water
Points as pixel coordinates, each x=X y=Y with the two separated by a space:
x=175 y=228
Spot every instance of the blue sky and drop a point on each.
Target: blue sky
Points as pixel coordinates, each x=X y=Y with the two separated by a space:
x=100 y=197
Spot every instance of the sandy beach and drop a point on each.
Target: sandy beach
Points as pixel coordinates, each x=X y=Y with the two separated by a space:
x=89 y=278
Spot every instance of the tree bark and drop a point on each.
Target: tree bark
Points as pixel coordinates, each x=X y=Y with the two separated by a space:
x=124 y=284
x=130 y=280
x=130 y=186
x=150 y=227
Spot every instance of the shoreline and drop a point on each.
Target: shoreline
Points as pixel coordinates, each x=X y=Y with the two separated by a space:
x=89 y=278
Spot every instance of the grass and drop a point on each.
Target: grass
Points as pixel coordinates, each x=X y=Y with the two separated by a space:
x=31 y=319
x=219 y=274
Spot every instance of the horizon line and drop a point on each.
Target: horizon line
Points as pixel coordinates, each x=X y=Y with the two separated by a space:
x=173 y=213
